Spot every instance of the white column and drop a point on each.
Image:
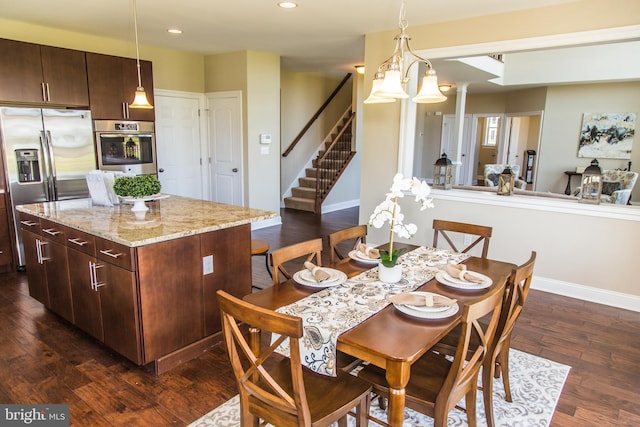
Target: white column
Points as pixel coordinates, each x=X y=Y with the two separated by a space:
x=461 y=101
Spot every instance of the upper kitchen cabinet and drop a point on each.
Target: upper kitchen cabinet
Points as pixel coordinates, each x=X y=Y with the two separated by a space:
x=35 y=74
x=112 y=84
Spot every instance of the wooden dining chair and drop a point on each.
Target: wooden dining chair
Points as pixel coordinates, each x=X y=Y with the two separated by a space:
x=278 y=389
x=310 y=249
x=436 y=384
x=355 y=235
x=496 y=363
x=481 y=233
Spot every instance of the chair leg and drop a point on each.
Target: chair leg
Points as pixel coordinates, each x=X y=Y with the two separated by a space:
x=488 y=370
x=266 y=263
x=503 y=360
x=362 y=412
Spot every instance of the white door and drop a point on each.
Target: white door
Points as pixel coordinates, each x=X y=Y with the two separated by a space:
x=225 y=147
x=464 y=167
x=178 y=144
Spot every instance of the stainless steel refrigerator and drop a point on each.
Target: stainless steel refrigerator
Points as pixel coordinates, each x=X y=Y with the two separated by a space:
x=47 y=155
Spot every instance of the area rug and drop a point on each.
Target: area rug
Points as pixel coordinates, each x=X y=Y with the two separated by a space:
x=536 y=384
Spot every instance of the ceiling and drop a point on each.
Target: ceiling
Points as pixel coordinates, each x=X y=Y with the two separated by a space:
x=319 y=35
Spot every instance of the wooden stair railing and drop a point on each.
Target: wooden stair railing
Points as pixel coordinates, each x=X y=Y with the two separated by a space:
x=331 y=163
x=316 y=115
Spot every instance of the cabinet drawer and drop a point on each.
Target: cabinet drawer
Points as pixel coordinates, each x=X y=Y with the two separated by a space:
x=81 y=241
x=116 y=254
x=52 y=231
x=30 y=223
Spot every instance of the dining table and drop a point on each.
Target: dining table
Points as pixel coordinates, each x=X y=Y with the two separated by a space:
x=389 y=339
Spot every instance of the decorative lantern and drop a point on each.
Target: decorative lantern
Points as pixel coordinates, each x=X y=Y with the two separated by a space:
x=505 y=182
x=443 y=173
x=591 y=184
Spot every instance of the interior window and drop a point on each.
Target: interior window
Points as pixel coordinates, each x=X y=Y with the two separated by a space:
x=491 y=126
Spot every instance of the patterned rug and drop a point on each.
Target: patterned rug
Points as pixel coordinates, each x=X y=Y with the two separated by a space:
x=536 y=384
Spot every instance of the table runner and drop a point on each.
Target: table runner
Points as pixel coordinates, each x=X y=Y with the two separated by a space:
x=331 y=311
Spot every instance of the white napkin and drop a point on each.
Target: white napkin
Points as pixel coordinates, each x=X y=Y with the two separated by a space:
x=318 y=273
x=98 y=189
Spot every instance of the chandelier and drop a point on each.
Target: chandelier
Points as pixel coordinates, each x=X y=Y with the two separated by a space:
x=140 y=99
x=393 y=73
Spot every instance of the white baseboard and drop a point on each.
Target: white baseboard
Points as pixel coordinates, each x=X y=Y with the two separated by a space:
x=277 y=220
x=587 y=293
x=341 y=205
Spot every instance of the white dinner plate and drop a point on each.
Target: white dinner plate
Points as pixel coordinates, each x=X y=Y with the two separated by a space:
x=305 y=277
x=427 y=312
x=446 y=279
x=360 y=257
x=424 y=308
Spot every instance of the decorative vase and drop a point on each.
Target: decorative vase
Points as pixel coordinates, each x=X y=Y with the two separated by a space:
x=390 y=274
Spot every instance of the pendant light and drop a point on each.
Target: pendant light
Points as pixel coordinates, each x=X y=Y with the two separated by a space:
x=140 y=99
x=395 y=75
x=372 y=99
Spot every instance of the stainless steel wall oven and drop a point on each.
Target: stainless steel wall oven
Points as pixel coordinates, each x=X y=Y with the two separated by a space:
x=126 y=146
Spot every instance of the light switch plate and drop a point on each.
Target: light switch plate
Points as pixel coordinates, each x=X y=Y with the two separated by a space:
x=207 y=265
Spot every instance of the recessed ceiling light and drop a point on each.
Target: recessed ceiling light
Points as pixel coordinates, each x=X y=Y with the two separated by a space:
x=174 y=31
x=287 y=4
x=360 y=69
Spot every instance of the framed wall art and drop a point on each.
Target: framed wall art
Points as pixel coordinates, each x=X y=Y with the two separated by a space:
x=607 y=135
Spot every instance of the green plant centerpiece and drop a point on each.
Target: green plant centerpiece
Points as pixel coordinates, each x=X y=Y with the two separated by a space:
x=136 y=186
x=389 y=210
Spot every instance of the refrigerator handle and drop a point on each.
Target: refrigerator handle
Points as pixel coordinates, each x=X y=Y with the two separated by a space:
x=46 y=167
x=53 y=183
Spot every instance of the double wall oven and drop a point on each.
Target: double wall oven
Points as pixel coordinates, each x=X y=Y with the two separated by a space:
x=126 y=146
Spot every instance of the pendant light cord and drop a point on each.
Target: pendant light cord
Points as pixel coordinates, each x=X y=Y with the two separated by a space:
x=135 y=26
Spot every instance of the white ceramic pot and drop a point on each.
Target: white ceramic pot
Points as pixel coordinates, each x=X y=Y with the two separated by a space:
x=390 y=274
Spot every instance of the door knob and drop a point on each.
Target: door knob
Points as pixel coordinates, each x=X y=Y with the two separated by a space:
x=161 y=170
x=234 y=170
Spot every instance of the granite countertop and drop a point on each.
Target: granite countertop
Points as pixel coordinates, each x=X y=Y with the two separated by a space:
x=169 y=218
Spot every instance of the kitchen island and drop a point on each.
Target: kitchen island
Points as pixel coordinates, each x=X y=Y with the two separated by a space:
x=144 y=287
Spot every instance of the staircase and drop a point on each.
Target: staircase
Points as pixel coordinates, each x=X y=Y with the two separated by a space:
x=330 y=163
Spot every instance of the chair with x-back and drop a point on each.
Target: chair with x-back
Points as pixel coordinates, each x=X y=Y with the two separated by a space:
x=449 y=229
x=436 y=383
x=278 y=389
x=310 y=249
x=353 y=235
x=496 y=363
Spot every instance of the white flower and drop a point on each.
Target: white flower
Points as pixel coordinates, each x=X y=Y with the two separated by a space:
x=389 y=210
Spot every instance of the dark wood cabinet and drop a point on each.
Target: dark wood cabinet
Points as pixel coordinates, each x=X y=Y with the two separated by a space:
x=86 y=301
x=230 y=249
x=31 y=73
x=65 y=76
x=36 y=274
x=105 y=302
x=112 y=84
x=6 y=251
x=172 y=309
x=119 y=306
x=154 y=303
x=53 y=252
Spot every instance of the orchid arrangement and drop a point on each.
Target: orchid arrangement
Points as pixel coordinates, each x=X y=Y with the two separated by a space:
x=389 y=210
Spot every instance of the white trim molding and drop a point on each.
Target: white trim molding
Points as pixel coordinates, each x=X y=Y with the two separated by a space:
x=587 y=293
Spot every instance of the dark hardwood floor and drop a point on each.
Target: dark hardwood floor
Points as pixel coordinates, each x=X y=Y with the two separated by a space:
x=44 y=359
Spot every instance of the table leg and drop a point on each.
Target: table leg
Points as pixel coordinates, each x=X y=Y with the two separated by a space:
x=398 y=377
x=567 y=190
x=254 y=339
